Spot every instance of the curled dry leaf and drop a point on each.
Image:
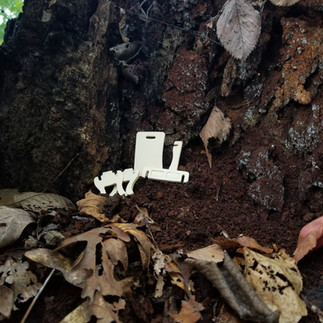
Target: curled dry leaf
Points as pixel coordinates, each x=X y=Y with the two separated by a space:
x=238 y=28
x=92 y=205
x=251 y=243
x=310 y=238
x=278 y=282
x=33 y=201
x=284 y=2
x=12 y=224
x=217 y=127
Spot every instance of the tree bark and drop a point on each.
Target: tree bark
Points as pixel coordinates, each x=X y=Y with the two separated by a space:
x=72 y=98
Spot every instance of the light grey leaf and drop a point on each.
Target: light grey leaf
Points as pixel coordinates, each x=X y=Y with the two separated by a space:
x=6 y=304
x=238 y=28
x=284 y=2
x=33 y=201
x=12 y=223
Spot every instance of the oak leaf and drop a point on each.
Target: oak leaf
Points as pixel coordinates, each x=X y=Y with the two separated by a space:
x=310 y=238
x=217 y=127
x=17 y=284
x=238 y=28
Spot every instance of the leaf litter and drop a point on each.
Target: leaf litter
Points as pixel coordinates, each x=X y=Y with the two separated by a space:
x=118 y=258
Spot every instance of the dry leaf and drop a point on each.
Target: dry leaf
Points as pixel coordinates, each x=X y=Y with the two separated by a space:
x=235 y=289
x=7 y=301
x=33 y=201
x=278 y=282
x=92 y=205
x=217 y=127
x=238 y=28
x=189 y=313
x=284 y=2
x=12 y=224
x=145 y=246
x=117 y=251
x=22 y=283
x=249 y=242
x=209 y=253
x=310 y=238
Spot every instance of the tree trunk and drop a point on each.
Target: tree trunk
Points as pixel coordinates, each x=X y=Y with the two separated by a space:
x=79 y=78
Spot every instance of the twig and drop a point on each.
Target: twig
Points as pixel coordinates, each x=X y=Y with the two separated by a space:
x=37 y=296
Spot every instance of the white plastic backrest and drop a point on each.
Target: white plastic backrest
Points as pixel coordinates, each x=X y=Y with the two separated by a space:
x=149 y=150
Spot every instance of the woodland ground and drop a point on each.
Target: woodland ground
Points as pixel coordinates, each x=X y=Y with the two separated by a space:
x=189 y=216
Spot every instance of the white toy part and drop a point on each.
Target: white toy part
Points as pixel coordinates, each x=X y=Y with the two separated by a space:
x=148 y=163
x=149 y=158
x=149 y=150
x=116 y=180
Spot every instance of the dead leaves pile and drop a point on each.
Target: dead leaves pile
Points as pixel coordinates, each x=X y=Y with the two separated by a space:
x=96 y=267
x=111 y=262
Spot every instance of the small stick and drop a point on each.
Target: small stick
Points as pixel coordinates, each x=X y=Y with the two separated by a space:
x=37 y=296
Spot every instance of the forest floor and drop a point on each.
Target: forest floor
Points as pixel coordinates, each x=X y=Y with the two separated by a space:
x=188 y=216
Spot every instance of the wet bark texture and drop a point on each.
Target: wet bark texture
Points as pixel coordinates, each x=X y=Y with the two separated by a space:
x=73 y=97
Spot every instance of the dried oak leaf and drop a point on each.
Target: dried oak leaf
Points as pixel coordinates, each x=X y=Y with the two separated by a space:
x=189 y=313
x=238 y=28
x=217 y=127
x=21 y=281
x=310 y=238
x=278 y=282
x=284 y=2
x=33 y=201
x=12 y=224
x=92 y=205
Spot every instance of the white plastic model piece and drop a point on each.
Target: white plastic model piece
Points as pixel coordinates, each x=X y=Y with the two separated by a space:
x=149 y=158
x=116 y=180
x=148 y=163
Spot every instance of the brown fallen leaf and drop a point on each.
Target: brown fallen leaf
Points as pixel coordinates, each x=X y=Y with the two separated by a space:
x=241 y=241
x=217 y=127
x=210 y=253
x=189 y=313
x=278 y=282
x=310 y=238
x=251 y=243
x=92 y=205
